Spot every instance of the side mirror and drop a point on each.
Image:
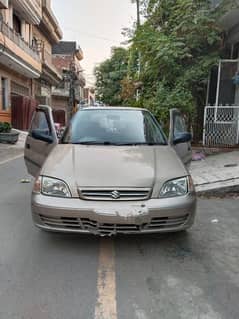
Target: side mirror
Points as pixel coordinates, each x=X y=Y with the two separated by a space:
x=40 y=135
x=182 y=138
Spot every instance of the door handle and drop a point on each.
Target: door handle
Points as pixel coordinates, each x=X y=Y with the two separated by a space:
x=28 y=146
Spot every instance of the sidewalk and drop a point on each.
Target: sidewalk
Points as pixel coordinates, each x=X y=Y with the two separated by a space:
x=9 y=152
x=216 y=174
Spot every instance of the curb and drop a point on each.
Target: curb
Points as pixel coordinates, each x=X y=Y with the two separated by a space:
x=220 y=188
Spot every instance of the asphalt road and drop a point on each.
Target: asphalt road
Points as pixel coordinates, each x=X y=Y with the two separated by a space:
x=173 y=276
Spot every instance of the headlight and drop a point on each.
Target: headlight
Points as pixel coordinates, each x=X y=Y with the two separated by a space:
x=177 y=187
x=51 y=187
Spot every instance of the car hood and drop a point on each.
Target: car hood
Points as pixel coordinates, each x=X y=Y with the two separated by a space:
x=113 y=166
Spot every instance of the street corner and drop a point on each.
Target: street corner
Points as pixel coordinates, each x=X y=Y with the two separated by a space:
x=9 y=152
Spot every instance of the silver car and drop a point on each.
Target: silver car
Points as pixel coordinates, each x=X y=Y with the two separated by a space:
x=112 y=172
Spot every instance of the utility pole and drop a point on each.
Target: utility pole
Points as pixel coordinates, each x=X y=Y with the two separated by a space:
x=139 y=55
x=71 y=95
x=138 y=12
x=72 y=89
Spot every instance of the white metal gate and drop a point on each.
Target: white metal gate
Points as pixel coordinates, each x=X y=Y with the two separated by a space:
x=221 y=127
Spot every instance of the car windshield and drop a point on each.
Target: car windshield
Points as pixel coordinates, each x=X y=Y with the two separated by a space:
x=114 y=127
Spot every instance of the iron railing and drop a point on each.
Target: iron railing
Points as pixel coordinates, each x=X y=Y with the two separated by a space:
x=19 y=41
x=221 y=126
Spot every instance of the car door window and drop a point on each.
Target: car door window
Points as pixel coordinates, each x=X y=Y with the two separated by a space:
x=41 y=123
x=152 y=130
x=179 y=125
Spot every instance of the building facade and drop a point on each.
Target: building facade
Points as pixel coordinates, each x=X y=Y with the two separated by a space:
x=221 y=115
x=28 y=31
x=69 y=93
x=45 y=35
x=222 y=87
x=20 y=61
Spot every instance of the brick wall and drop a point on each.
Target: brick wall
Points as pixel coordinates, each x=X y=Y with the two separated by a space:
x=62 y=61
x=59 y=103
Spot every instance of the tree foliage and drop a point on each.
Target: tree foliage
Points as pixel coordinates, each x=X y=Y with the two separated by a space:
x=178 y=44
x=109 y=75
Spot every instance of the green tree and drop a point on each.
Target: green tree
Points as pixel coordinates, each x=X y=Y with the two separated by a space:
x=179 y=43
x=109 y=76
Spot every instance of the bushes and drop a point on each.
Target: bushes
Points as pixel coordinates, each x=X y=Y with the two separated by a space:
x=177 y=45
x=5 y=127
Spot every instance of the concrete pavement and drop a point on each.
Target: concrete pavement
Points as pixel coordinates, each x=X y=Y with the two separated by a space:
x=42 y=276
x=191 y=275
x=183 y=276
x=216 y=174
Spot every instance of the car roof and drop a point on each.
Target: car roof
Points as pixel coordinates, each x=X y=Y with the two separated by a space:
x=126 y=108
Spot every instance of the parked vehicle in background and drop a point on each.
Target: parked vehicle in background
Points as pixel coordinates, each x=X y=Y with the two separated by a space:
x=112 y=172
x=99 y=103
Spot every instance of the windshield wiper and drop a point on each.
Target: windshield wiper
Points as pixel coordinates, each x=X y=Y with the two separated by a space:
x=163 y=143
x=94 y=143
x=116 y=144
x=143 y=143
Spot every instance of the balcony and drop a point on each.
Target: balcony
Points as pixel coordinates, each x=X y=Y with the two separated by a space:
x=3 y=4
x=49 y=23
x=61 y=92
x=64 y=93
x=30 y=10
x=17 y=54
x=49 y=71
x=79 y=54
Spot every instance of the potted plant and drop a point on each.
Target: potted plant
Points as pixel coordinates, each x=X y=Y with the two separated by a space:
x=7 y=134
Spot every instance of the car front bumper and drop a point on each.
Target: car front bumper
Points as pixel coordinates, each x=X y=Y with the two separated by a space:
x=73 y=215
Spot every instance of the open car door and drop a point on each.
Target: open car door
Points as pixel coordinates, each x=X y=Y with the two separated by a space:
x=41 y=139
x=179 y=138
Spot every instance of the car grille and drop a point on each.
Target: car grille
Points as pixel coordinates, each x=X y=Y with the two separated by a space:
x=167 y=222
x=115 y=194
x=87 y=224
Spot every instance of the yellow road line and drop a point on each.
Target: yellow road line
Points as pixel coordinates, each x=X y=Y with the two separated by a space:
x=106 y=307
x=11 y=159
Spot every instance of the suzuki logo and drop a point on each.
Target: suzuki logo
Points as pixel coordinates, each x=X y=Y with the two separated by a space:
x=115 y=195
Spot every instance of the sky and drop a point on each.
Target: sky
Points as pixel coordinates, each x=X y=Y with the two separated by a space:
x=96 y=25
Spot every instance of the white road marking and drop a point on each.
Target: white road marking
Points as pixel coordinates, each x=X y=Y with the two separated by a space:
x=106 y=307
x=11 y=159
